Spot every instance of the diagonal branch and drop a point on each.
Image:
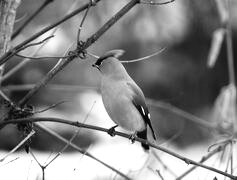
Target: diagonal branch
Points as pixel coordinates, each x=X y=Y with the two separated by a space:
x=128 y=136
x=110 y=23
x=26 y=60
x=74 y=54
x=84 y=152
x=204 y=158
x=17 y=48
x=18 y=31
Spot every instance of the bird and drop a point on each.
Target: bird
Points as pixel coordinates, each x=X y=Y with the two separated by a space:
x=123 y=99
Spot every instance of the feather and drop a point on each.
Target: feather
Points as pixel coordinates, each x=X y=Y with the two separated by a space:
x=113 y=53
x=139 y=102
x=143 y=135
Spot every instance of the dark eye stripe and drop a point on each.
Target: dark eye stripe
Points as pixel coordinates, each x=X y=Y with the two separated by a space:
x=98 y=62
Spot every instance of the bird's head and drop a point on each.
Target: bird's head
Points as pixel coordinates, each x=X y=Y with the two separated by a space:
x=109 y=63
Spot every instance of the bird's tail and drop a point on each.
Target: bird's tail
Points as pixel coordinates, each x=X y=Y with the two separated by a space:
x=143 y=135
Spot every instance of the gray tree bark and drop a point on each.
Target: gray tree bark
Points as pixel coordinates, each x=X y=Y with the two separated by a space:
x=7 y=19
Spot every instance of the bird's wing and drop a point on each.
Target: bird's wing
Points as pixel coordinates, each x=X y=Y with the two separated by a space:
x=138 y=100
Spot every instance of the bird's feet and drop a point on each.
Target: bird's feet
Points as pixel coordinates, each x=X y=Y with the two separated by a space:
x=132 y=137
x=111 y=131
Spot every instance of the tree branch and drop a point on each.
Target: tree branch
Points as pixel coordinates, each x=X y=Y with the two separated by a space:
x=7 y=19
x=74 y=54
x=17 y=48
x=81 y=125
x=18 y=31
x=84 y=152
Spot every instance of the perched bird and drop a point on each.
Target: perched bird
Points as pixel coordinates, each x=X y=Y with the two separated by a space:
x=124 y=101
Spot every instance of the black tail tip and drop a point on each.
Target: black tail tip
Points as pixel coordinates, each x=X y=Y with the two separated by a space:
x=145 y=147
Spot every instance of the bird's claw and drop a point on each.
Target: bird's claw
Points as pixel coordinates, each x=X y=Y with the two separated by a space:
x=111 y=131
x=132 y=138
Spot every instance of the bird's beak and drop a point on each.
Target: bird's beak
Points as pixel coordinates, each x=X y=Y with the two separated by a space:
x=96 y=66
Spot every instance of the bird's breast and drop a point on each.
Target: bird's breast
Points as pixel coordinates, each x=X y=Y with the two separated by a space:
x=117 y=101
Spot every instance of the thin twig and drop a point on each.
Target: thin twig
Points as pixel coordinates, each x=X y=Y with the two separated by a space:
x=228 y=162
x=21 y=18
x=159 y=174
x=229 y=46
x=40 y=58
x=144 y=58
x=4 y=96
x=82 y=21
x=110 y=23
x=32 y=154
x=156 y=3
x=26 y=60
x=43 y=81
x=36 y=43
x=10 y=161
x=181 y=113
x=50 y=107
x=41 y=166
x=71 y=139
x=17 y=48
x=93 y=55
x=62 y=139
x=75 y=53
x=232 y=158
x=18 y=31
x=19 y=145
x=54 y=87
x=203 y=159
x=77 y=124
x=163 y=164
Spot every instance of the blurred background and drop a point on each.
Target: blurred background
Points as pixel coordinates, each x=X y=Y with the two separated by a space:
x=179 y=76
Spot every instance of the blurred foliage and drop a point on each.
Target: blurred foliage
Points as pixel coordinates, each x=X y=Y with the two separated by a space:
x=179 y=75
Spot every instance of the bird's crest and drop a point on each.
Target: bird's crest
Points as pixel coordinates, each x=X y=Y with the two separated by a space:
x=113 y=53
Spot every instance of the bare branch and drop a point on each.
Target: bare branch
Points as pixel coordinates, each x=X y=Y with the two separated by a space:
x=77 y=124
x=19 y=145
x=50 y=107
x=84 y=152
x=156 y=3
x=75 y=53
x=83 y=20
x=10 y=161
x=44 y=81
x=41 y=58
x=17 y=48
x=54 y=87
x=163 y=164
x=21 y=18
x=159 y=174
x=30 y=18
x=181 y=113
x=203 y=159
x=144 y=58
x=110 y=23
x=229 y=46
x=4 y=96
x=26 y=60
x=93 y=55
x=36 y=43
x=71 y=139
